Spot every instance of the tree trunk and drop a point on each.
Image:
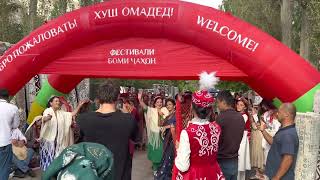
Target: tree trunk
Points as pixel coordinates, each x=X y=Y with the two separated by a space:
x=305 y=34
x=33 y=7
x=63 y=6
x=286 y=22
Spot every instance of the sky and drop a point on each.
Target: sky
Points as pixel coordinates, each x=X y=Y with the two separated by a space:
x=210 y=3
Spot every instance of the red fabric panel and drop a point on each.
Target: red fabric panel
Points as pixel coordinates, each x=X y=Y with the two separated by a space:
x=170 y=60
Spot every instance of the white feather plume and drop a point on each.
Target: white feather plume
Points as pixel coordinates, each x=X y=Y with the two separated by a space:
x=208 y=81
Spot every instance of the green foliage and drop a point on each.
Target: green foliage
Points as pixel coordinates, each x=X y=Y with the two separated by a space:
x=314 y=7
x=265 y=14
x=88 y=2
x=11 y=31
x=183 y=86
x=233 y=86
x=56 y=11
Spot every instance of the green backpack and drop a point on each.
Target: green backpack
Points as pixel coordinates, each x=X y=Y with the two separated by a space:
x=84 y=161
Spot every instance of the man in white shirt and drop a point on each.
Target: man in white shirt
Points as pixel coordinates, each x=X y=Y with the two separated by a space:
x=9 y=119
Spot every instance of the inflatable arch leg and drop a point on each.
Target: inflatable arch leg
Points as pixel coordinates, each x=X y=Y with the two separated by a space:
x=305 y=102
x=55 y=86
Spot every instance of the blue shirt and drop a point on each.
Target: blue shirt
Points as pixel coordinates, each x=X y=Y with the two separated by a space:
x=285 y=141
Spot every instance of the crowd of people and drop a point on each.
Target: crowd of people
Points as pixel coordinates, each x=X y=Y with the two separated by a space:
x=223 y=135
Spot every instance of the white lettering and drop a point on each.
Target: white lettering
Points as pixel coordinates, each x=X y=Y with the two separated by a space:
x=210 y=23
x=215 y=27
x=147 y=12
x=104 y=13
x=107 y=13
x=134 y=12
x=42 y=37
x=114 y=12
x=234 y=36
x=36 y=41
x=97 y=13
x=255 y=47
x=118 y=60
x=1 y=67
x=126 y=11
x=15 y=53
x=60 y=30
x=201 y=21
x=51 y=33
x=225 y=31
x=250 y=44
x=166 y=12
x=73 y=25
x=143 y=11
x=9 y=57
x=131 y=52
x=29 y=45
x=151 y=14
x=151 y=52
x=242 y=41
x=47 y=35
x=22 y=49
x=158 y=11
x=4 y=62
x=144 y=61
x=222 y=28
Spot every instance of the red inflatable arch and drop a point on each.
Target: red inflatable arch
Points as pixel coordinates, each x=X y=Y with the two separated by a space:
x=165 y=39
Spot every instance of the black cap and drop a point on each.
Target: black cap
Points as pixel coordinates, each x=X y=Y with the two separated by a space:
x=4 y=93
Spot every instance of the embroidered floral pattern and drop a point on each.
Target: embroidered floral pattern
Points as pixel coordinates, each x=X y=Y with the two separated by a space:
x=207 y=146
x=202 y=98
x=204 y=178
x=220 y=176
x=214 y=131
x=179 y=176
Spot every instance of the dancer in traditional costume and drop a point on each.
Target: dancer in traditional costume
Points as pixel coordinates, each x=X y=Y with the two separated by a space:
x=168 y=133
x=56 y=133
x=244 y=150
x=153 y=116
x=198 y=146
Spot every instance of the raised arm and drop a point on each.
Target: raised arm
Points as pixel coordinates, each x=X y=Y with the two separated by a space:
x=265 y=134
x=142 y=104
x=76 y=111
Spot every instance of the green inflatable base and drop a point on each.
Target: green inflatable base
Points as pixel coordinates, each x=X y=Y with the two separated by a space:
x=45 y=93
x=303 y=103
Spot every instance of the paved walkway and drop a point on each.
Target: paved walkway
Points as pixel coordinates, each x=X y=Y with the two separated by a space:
x=141 y=169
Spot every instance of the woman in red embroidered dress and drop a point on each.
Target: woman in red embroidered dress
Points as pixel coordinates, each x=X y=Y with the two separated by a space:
x=197 y=151
x=244 y=150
